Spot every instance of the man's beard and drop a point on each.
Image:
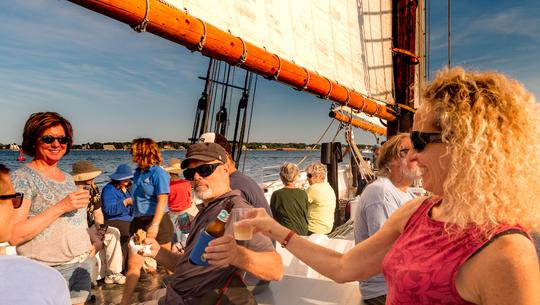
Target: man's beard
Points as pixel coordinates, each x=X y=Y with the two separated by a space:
x=410 y=174
x=205 y=193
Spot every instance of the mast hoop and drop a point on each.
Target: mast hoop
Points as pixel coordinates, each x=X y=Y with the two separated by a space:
x=244 y=55
x=199 y=47
x=327 y=96
x=141 y=27
x=276 y=75
x=305 y=85
x=348 y=96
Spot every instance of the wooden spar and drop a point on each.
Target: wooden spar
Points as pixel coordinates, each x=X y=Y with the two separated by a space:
x=177 y=26
x=358 y=123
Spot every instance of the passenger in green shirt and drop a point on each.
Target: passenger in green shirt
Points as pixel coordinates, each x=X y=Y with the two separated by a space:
x=289 y=205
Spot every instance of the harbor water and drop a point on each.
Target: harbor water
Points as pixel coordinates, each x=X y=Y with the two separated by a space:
x=108 y=160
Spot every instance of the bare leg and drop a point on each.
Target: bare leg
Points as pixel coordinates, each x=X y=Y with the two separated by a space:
x=135 y=263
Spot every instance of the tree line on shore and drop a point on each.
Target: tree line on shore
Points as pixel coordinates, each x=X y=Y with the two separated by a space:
x=184 y=145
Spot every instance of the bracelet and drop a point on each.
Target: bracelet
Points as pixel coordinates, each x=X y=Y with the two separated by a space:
x=155 y=224
x=287 y=239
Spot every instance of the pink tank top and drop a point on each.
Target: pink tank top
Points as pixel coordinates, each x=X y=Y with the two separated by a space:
x=422 y=266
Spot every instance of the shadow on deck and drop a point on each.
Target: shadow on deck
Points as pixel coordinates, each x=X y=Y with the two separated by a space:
x=107 y=294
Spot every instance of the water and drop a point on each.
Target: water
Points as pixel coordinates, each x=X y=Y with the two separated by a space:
x=108 y=160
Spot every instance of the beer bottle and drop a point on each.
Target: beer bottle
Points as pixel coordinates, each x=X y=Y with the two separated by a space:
x=213 y=230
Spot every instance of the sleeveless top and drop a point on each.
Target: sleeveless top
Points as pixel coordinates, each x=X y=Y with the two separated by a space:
x=422 y=266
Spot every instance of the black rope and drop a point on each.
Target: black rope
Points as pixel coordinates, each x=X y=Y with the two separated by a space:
x=250 y=118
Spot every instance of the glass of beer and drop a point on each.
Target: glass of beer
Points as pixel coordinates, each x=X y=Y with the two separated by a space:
x=241 y=233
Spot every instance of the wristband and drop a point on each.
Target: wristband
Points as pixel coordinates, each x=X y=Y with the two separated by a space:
x=287 y=239
x=155 y=224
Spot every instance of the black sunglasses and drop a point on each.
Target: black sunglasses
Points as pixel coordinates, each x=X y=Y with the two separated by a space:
x=421 y=139
x=50 y=139
x=204 y=171
x=16 y=199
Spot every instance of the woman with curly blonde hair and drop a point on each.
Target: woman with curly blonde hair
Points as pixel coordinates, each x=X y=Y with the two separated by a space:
x=475 y=140
x=150 y=193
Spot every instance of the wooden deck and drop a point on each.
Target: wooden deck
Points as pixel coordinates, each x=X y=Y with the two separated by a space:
x=107 y=294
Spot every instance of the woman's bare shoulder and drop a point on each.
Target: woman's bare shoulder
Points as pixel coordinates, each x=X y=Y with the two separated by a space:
x=401 y=216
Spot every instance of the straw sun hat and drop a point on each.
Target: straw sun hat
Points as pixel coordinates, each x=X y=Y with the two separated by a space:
x=84 y=170
x=174 y=166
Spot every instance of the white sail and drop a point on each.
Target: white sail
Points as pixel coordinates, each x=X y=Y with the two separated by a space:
x=347 y=41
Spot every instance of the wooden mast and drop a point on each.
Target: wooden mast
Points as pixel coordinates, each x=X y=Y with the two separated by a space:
x=404 y=60
x=178 y=26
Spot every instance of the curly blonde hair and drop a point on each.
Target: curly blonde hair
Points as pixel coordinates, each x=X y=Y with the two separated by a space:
x=492 y=127
x=145 y=152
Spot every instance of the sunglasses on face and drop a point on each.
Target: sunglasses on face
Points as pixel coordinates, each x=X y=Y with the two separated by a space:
x=204 y=171
x=421 y=139
x=51 y=139
x=16 y=199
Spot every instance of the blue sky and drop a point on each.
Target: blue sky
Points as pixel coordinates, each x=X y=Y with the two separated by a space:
x=114 y=84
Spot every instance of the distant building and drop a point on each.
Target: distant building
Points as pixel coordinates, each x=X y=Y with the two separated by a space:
x=108 y=147
x=264 y=147
x=14 y=146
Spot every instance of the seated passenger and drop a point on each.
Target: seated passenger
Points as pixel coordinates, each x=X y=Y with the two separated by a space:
x=322 y=200
x=103 y=236
x=289 y=205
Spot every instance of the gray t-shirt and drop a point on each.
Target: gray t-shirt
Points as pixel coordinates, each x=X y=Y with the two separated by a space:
x=376 y=203
x=250 y=191
x=64 y=239
x=24 y=281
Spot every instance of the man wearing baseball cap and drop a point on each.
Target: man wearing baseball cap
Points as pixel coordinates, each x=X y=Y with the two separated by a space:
x=205 y=166
x=249 y=189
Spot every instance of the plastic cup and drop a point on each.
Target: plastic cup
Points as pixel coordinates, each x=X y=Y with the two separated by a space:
x=241 y=233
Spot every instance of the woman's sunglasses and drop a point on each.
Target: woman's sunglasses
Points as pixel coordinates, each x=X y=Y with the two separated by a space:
x=16 y=199
x=421 y=139
x=51 y=139
x=204 y=171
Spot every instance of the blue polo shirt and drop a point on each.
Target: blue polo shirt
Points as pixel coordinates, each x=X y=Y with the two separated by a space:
x=147 y=185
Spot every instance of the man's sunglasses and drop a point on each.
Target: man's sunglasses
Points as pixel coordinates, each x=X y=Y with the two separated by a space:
x=50 y=139
x=421 y=139
x=16 y=199
x=204 y=171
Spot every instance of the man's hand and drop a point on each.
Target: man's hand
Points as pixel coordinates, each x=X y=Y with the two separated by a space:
x=154 y=248
x=222 y=251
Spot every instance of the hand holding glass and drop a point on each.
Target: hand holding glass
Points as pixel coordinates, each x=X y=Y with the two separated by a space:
x=241 y=232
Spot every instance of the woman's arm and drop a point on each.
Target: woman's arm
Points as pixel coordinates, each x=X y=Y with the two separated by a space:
x=153 y=230
x=361 y=262
x=28 y=228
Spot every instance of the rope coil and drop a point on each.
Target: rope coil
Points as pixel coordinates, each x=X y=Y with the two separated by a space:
x=141 y=27
x=199 y=47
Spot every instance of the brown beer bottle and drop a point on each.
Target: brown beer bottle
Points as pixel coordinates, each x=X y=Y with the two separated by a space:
x=213 y=230
x=217 y=227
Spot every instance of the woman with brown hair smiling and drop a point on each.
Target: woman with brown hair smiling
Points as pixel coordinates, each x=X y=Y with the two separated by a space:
x=51 y=223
